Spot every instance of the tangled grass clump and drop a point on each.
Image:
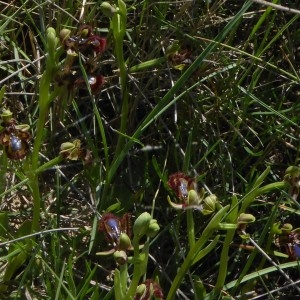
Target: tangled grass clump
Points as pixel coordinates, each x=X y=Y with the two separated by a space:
x=149 y=150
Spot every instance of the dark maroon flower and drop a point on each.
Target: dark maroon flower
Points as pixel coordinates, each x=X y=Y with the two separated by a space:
x=89 y=47
x=181 y=184
x=85 y=41
x=96 y=82
x=112 y=226
x=97 y=43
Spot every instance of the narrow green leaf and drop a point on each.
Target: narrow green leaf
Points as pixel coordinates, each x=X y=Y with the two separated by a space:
x=268 y=107
x=248 y=150
x=3 y=224
x=206 y=250
x=60 y=281
x=265 y=271
x=148 y=64
x=2 y=92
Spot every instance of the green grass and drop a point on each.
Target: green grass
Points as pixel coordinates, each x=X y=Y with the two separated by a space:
x=209 y=88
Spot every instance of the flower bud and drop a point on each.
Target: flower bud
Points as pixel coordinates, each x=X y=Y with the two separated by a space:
x=245 y=218
x=51 y=40
x=141 y=224
x=6 y=115
x=67 y=146
x=173 y=48
x=276 y=229
x=121 y=257
x=64 y=34
x=292 y=176
x=85 y=31
x=140 y=291
x=209 y=204
x=286 y=228
x=124 y=242
x=70 y=150
x=193 y=198
x=148 y=289
x=153 y=228
x=107 y=9
x=242 y=221
x=22 y=127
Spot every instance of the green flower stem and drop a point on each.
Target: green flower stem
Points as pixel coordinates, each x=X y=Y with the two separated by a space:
x=136 y=270
x=140 y=261
x=224 y=260
x=44 y=102
x=119 y=21
x=44 y=95
x=134 y=284
x=190 y=228
x=195 y=251
x=35 y=190
x=44 y=90
x=118 y=26
x=123 y=278
x=232 y=218
x=223 y=268
x=35 y=161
